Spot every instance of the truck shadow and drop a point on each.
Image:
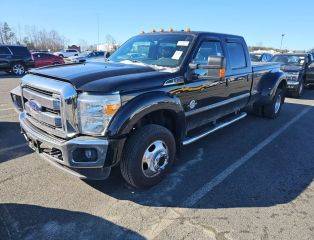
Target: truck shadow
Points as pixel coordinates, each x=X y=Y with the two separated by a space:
x=23 y=221
x=276 y=175
x=7 y=75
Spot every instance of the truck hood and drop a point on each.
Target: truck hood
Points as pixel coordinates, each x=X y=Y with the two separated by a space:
x=106 y=77
x=291 y=68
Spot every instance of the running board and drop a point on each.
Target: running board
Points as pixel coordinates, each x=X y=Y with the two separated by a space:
x=216 y=128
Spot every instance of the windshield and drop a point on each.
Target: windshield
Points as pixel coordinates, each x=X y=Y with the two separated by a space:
x=296 y=60
x=255 y=57
x=165 y=50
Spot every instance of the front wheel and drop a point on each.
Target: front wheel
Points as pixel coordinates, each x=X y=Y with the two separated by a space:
x=18 y=69
x=273 y=109
x=147 y=156
x=299 y=91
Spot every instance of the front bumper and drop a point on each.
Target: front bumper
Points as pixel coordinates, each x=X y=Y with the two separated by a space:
x=63 y=153
x=293 y=85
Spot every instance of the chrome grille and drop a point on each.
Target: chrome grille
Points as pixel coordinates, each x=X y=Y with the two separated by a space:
x=50 y=105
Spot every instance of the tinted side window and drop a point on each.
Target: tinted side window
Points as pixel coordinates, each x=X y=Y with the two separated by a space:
x=37 y=55
x=4 y=51
x=205 y=50
x=20 y=51
x=236 y=55
x=45 y=55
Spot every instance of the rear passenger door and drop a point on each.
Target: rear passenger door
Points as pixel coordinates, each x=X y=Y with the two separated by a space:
x=47 y=59
x=238 y=74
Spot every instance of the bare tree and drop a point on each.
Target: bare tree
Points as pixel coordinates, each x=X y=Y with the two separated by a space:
x=7 y=36
x=43 y=40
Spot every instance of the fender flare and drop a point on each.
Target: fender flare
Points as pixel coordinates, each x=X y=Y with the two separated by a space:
x=134 y=110
x=269 y=86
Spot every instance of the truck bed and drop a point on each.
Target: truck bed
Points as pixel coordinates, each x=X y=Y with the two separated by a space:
x=262 y=66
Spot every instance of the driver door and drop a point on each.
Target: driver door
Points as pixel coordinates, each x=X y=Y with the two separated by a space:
x=203 y=99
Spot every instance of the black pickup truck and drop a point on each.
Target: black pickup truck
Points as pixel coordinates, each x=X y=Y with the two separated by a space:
x=299 y=69
x=158 y=92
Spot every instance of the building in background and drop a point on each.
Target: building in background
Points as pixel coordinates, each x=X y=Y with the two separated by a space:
x=108 y=47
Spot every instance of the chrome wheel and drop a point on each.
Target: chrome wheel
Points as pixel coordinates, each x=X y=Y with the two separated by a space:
x=278 y=103
x=18 y=69
x=155 y=159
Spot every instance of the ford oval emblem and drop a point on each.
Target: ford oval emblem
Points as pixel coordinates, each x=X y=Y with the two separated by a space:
x=35 y=105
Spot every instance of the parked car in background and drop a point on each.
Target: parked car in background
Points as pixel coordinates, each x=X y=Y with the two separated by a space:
x=299 y=69
x=15 y=59
x=67 y=53
x=45 y=59
x=88 y=55
x=157 y=92
x=260 y=57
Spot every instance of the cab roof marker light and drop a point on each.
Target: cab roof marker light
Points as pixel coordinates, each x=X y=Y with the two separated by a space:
x=171 y=29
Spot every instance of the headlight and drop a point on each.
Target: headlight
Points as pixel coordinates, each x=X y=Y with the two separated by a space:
x=96 y=111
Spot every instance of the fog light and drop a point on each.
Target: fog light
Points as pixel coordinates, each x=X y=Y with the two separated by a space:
x=85 y=155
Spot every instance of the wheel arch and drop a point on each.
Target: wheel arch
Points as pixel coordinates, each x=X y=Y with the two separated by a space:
x=269 y=85
x=154 y=107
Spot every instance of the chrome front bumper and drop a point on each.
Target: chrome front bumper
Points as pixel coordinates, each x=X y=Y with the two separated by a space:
x=45 y=145
x=292 y=85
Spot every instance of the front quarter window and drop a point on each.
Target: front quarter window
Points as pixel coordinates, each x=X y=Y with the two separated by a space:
x=165 y=50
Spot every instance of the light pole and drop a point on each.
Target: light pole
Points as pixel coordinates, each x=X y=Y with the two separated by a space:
x=282 y=36
x=98 y=28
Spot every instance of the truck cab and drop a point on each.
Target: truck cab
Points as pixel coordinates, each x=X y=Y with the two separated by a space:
x=157 y=93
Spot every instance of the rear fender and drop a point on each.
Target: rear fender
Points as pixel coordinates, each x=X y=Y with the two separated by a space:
x=269 y=84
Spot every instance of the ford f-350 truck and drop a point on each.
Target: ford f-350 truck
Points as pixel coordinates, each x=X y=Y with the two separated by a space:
x=299 y=70
x=158 y=92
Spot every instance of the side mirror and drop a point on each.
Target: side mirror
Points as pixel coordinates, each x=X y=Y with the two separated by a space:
x=215 y=66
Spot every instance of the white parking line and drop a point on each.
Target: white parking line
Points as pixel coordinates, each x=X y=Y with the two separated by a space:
x=173 y=214
x=8 y=116
x=6 y=109
x=12 y=148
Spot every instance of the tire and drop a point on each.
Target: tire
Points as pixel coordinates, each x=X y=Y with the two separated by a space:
x=156 y=143
x=299 y=92
x=257 y=110
x=18 y=69
x=273 y=109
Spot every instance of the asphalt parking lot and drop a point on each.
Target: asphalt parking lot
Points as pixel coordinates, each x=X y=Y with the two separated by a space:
x=252 y=180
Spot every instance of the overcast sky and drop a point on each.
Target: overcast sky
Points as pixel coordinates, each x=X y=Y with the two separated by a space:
x=260 y=22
